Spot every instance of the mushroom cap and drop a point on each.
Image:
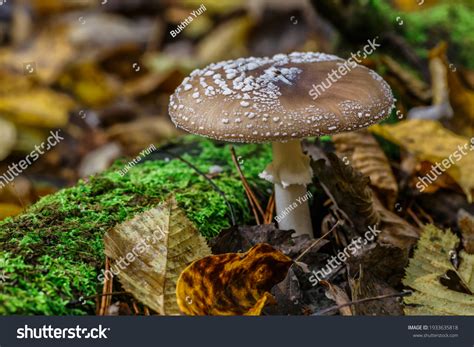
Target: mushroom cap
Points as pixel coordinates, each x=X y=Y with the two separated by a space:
x=268 y=99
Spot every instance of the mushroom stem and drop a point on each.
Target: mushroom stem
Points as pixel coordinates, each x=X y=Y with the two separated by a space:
x=291 y=172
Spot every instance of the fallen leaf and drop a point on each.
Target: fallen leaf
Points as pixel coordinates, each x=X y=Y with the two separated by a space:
x=7 y=138
x=366 y=286
x=9 y=210
x=385 y=261
x=412 y=134
x=99 y=159
x=349 y=189
x=216 y=6
x=461 y=98
x=232 y=283
x=351 y=194
x=365 y=155
x=44 y=65
x=395 y=230
x=406 y=80
x=430 y=264
x=157 y=244
x=242 y=238
x=466 y=224
x=90 y=85
x=147 y=130
x=227 y=41
x=37 y=107
x=339 y=296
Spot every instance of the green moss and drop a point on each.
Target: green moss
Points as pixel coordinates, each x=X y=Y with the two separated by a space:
x=451 y=22
x=52 y=254
x=423 y=29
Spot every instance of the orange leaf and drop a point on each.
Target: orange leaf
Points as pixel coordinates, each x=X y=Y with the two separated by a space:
x=232 y=283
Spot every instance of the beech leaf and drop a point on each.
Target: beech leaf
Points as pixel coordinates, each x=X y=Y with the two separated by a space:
x=162 y=242
x=430 y=265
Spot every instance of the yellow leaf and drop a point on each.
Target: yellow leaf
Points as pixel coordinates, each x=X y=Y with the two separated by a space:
x=150 y=251
x=227 y=41
x=90 y=85
x=37 y=107
x=432 y=261
x=8 y=136
x=9 y=210
x=429 y=141
x=232 y=283
x=216 y=6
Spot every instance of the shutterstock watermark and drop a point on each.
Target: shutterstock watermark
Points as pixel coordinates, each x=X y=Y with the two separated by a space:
x=342 y=256
x=344 y=68
x=123 y=262
x=16 y=169
x=438 y=169
x=48 y=332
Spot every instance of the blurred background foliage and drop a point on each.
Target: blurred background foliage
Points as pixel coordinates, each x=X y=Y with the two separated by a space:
x=103 y=70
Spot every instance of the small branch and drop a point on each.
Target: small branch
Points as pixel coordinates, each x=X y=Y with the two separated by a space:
x=380 y=297
x=316 y=242
x=255 y=204
x=269 y=211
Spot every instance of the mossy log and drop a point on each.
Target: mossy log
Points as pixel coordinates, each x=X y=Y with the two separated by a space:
x=52 y=254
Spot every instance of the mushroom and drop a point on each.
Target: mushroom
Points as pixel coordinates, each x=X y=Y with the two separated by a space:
x=256 y=100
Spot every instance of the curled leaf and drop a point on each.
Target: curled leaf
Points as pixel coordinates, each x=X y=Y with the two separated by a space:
x=232 y=283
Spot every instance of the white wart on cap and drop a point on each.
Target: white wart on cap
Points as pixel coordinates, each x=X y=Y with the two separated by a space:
x=267 y=99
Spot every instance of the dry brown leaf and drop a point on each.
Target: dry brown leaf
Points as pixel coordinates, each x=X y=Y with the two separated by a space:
x=47 y=55
x=365 y=155
x=369 y=286
x=395 y=230
x=232 y=283
x=90 y=85
x=412 y=135
x=466 y=224
x=406 y=80
x=157 y=245
x=339 y=296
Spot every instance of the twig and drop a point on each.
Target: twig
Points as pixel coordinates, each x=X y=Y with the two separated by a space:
x=415 y=218
x=269 y=210
x=426 y=215
x=316 y=242
x=103 y=301
x=251 y=196
x=135 y=308
x=380 y=297
x=216 y=188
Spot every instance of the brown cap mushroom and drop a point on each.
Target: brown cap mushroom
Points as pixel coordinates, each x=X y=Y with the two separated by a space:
x=268 y=100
